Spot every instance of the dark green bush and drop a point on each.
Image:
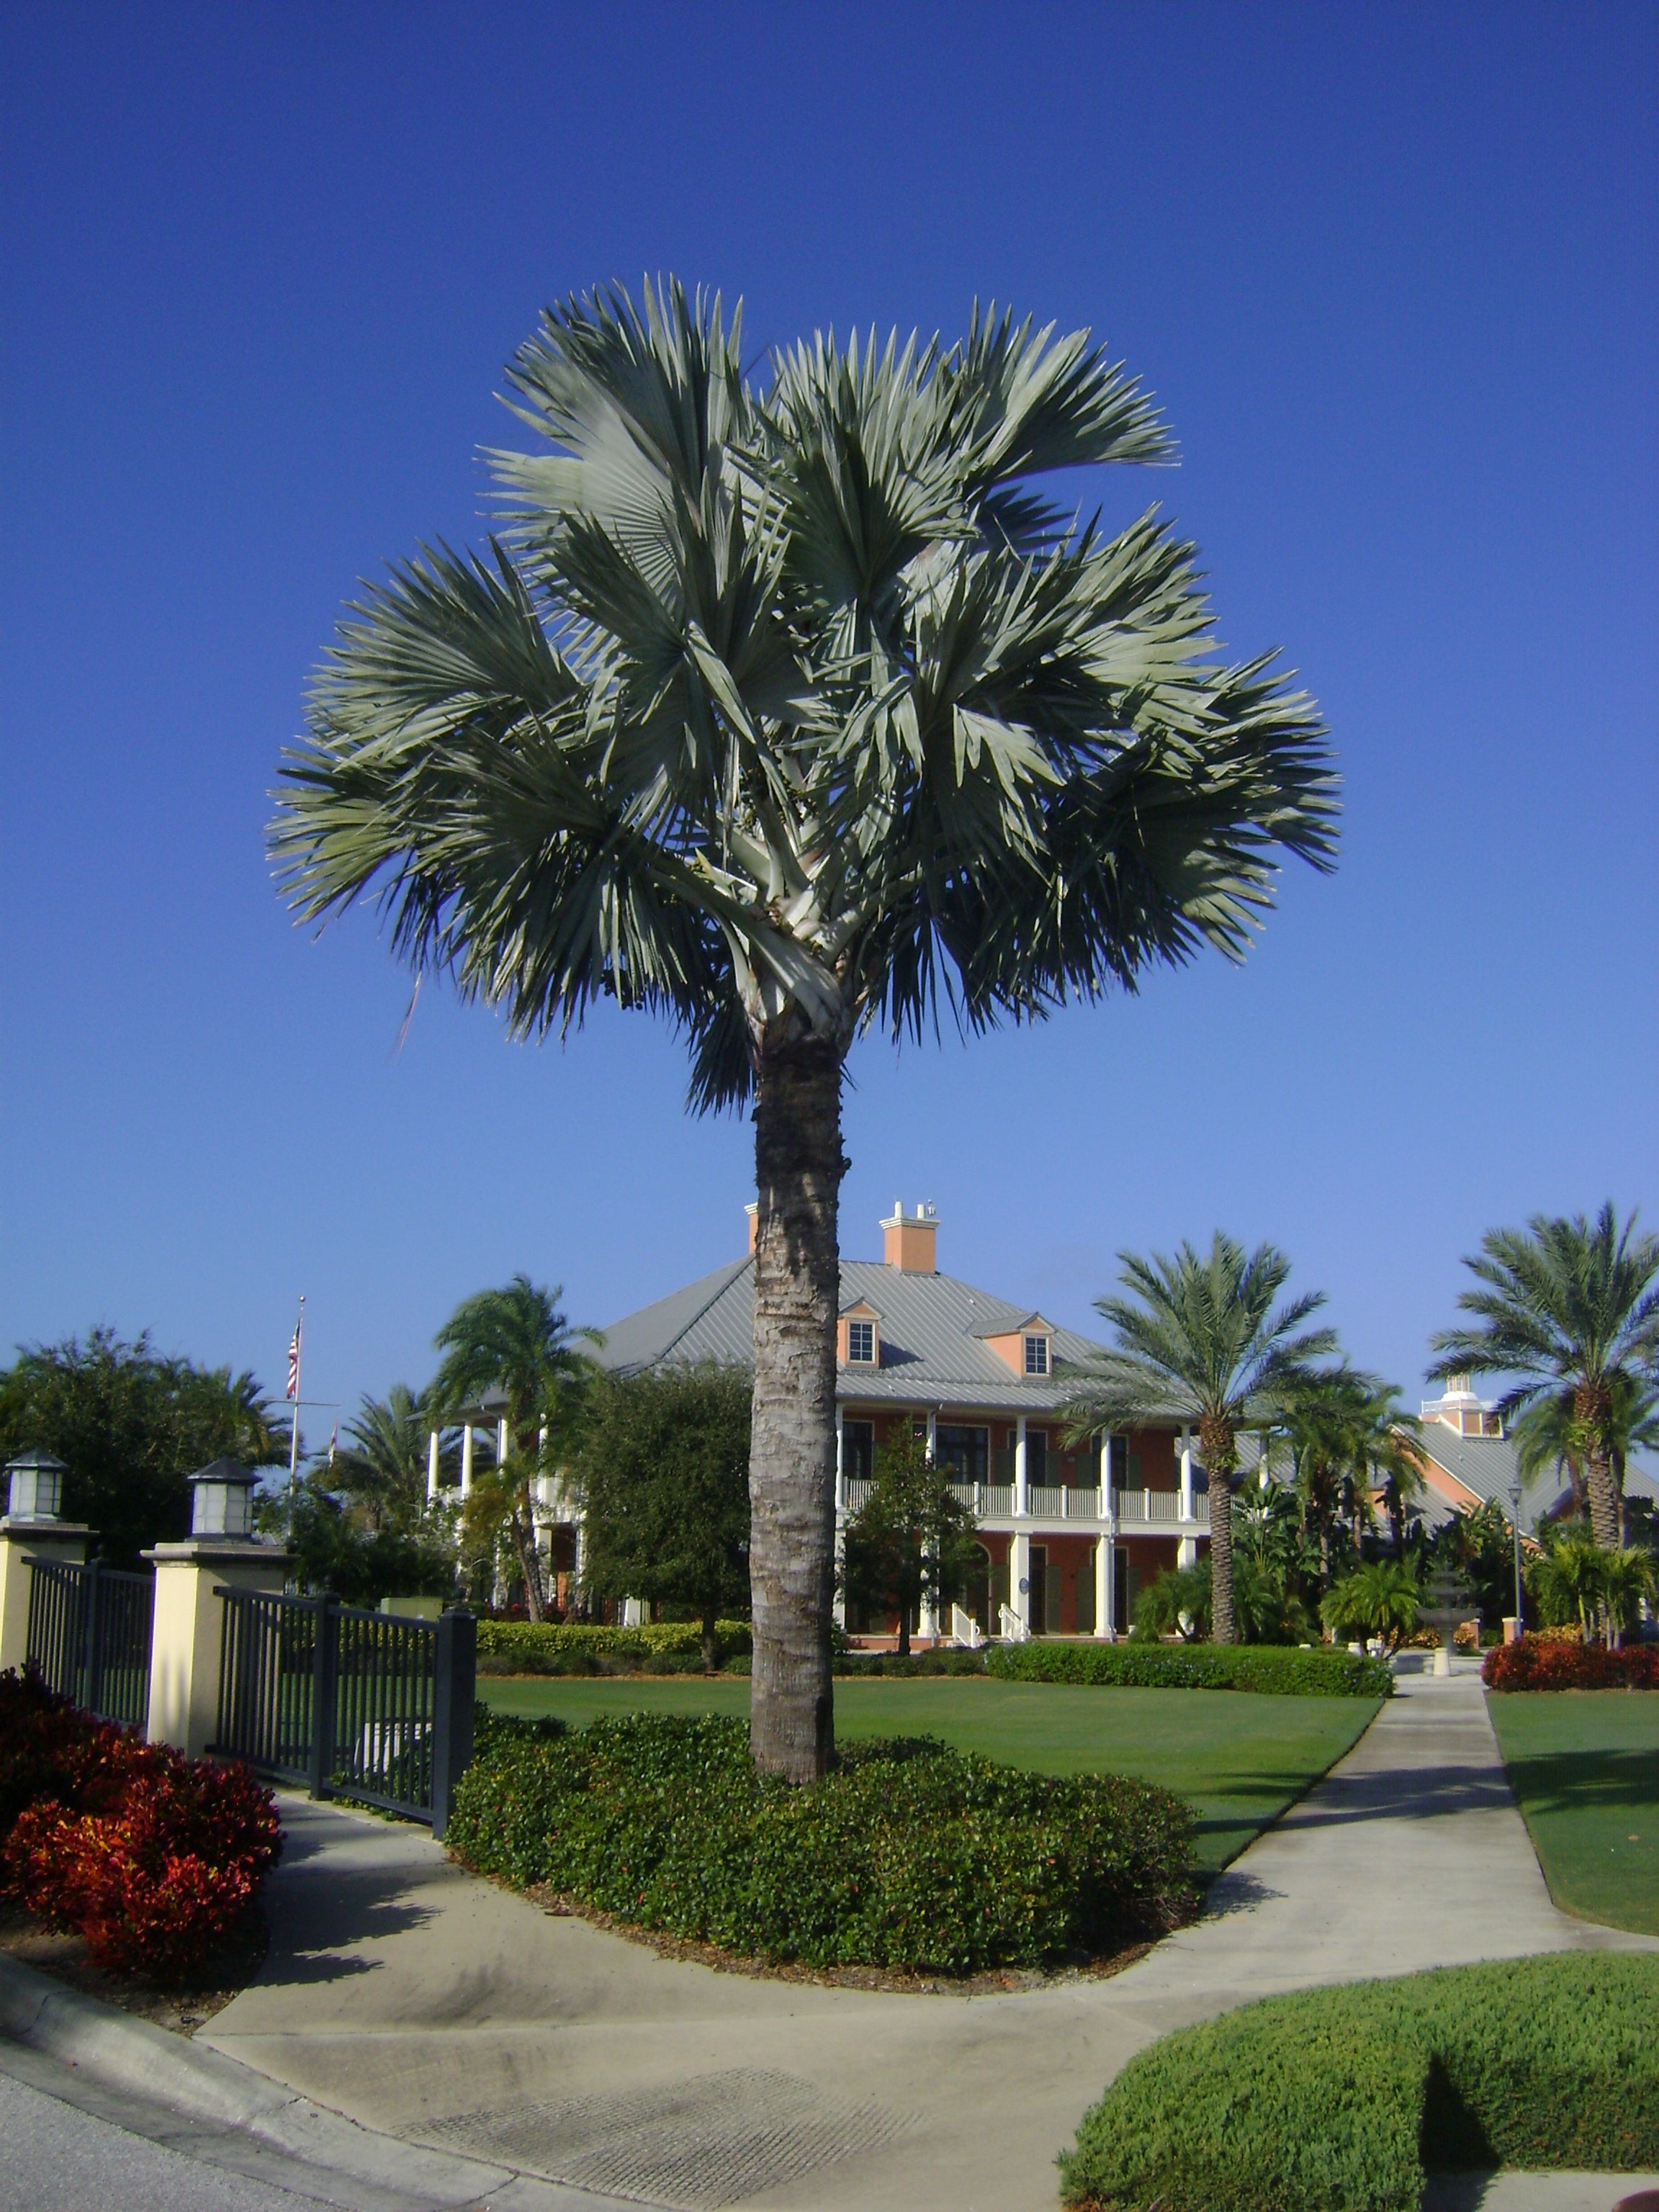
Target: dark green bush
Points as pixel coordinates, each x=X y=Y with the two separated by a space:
x=1339 y=2099
x=907 y=1856
x=904 y=1664
x=534 y=1644
x=1266 y=1667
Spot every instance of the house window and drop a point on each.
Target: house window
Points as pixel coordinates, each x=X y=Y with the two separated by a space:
x=857 y=1450
x=861 y=1343
x=964 y=1452
x=1037 y=1355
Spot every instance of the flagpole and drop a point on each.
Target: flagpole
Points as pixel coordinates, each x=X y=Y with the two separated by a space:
x=293 y=1435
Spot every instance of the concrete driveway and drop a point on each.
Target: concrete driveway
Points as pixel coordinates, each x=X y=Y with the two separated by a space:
x=431 y=2005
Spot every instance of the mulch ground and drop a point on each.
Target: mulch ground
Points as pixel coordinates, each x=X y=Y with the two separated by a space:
x=182 y=2007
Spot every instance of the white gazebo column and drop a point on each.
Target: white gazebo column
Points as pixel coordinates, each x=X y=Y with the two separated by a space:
x=466 y=1462
x=1019 y=1578
x=1186 y=1555
x=1105 y=1581
x=431 y=1468
x=1021 y=1497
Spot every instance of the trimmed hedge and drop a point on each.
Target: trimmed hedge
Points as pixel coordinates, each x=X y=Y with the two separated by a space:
x=1339 y=2099
x=907 y=1665
x=1274 y=1668
x=1538 y=1662
x=538 y=1642
x=907 y=1855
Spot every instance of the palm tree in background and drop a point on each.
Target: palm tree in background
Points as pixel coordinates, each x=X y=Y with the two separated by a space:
x=1549 y=1434
x=786 y=713
x=1201 y=1339
x=517 y=1341
x=383 y=1465
x=1565 y=1307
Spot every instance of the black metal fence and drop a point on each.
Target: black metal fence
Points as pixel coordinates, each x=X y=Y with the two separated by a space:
x=369 y=1705
x=89 y=1636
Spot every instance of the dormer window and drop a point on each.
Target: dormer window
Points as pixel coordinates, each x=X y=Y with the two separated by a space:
x=861 y=1343
x=1037 y=1355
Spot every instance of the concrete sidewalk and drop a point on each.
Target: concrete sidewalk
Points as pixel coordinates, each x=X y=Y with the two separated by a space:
x=431 y=2005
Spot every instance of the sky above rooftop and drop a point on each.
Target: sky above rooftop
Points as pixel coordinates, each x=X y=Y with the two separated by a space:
x=1390 y=271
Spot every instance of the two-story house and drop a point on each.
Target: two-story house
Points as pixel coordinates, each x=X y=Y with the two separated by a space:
x=1067 y=1532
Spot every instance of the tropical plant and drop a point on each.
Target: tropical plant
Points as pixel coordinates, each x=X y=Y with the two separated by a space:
x=382 y=1468
x=131 y=1427
x=1550 y=1434
x=1175 y=1603
x=788 y=713
x=1201 y=1339
x=1275 y=1568
x=1563 y=1306
x=1599 y=1586
x=662 y=1473
x=912 y=1542
x=333 y=1551
x=1350 y=1439
x=1378 y=1600
x=1477 y=1550
x=516 y=1341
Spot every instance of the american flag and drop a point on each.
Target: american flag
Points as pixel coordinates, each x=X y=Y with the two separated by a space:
x=293 y=1390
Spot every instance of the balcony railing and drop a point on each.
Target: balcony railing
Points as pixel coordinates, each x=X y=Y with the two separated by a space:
x=1049 y=1502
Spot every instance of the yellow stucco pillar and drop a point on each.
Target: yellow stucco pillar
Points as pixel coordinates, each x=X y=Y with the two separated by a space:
x=188 y=1630
x=20 y=1540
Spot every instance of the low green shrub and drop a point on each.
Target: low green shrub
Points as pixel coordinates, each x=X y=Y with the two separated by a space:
x=907 y=1855
x=1341 y=2099
x=536 y=1644
x=1271 y=1668
x=905 y=1664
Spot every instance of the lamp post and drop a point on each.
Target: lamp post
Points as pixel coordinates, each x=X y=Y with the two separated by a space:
x=1514 y=1524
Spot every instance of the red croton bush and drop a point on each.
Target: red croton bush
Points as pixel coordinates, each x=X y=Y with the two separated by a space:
x=151 y=1857
x=1545 y=1663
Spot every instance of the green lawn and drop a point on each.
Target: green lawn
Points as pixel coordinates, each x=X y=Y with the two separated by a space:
x=1239 y=1758
x=1585 y=1766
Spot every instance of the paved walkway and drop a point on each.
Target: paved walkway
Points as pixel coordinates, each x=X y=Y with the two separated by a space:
x=431 y=2005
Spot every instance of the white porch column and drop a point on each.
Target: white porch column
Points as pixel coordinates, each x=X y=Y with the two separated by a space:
x=432 y=1468
x=1019 y=1576
x=466 y=1463
x=841 y=1465
x=500 y=1443
x=1185 y=1473
x=1105 y=1580
x=1022 y=1500
x=932 y=1439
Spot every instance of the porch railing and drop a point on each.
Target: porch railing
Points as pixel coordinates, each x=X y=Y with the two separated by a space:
x=373 y=1706
x=994 y=1501
x=89 y=1636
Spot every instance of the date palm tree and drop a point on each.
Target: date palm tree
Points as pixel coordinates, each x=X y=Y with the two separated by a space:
x=1201 y=1339
x=1564 y=1306
x=382 y=1464
x=788 y=712
x=1549 y=1434
x=517 y=1341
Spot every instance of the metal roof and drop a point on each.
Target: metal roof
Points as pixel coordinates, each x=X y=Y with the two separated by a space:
x=931 y=1336
x=1486 y=1466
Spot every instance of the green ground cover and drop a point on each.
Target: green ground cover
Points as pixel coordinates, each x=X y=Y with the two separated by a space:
x=1238 y=1761
x=1584 y=1764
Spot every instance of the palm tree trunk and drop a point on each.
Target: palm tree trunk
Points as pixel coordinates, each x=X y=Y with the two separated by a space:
x=1592 y=1405
x=1217 y=1440
x=792 y=1468
x=711 y=1643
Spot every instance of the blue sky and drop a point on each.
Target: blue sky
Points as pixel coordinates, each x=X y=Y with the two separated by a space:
x=1390 y=270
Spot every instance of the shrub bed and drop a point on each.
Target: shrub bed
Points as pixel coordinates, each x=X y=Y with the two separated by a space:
x=543 y=1647
x=906 y=1664
x=153 y=1857
x=1273 y=1668
x=1340 y=2099
x=907 y=1856
x=1538 y=1662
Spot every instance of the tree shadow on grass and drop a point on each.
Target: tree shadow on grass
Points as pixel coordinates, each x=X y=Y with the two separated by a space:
x=1587 y=1781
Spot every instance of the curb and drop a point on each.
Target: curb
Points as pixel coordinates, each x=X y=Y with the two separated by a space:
x=134 y=2059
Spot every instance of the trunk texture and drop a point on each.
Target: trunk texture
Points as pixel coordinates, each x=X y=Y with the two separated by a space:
x=1216 y=1438
x=530 y=1559
x=711 y=1648
x=792 y=1467
x=1592 y=1404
